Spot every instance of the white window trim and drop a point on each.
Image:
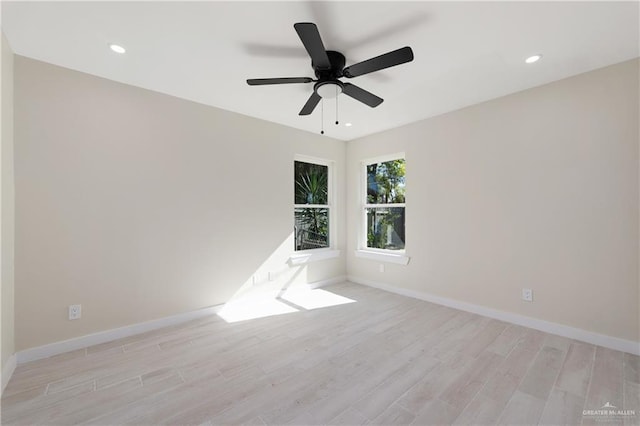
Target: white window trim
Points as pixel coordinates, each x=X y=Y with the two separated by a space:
x=364 y=252
x=383 y=256
x=300 y=257
x=313 y=255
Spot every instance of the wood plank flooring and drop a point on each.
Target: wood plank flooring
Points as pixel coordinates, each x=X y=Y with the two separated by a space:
x=385 y=359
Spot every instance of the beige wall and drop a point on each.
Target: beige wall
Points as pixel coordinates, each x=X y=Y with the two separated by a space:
x=538 y=189
x=138 y=205
x=8 y=205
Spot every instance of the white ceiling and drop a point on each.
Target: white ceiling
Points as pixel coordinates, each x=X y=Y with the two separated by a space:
x=465 y=52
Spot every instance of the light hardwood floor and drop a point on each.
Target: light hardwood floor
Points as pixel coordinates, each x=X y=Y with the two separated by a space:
x=385 y=359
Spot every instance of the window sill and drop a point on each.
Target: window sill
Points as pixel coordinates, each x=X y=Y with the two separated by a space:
x=399 y=258
x=301 y=258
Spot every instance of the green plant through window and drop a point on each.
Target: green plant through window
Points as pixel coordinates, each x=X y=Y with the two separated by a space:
x=311 y=209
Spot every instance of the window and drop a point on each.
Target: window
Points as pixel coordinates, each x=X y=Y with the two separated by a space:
x=312 y=208
x=384 y=204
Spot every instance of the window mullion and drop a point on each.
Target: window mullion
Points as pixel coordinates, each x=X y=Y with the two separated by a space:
x=311 y=206
x=381 y=206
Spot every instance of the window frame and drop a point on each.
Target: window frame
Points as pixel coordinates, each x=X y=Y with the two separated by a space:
x=306 y=255
x=373 y=253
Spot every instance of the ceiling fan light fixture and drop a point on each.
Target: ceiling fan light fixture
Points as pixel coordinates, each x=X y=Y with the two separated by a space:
x=329 y=89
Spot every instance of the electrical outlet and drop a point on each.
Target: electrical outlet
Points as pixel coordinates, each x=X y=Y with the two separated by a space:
x=75 y=312
x=527 y=295
x=381 y=267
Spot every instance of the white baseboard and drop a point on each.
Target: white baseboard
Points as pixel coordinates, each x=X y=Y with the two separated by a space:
x=7 y=372
x=610 y=342
x=56 y=348
x=323 y=283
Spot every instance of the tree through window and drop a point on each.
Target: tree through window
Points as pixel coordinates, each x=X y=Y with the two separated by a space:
x=311 y=209
x=384 y=206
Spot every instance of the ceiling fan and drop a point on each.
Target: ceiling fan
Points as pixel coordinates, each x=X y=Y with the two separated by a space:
x=328 y=66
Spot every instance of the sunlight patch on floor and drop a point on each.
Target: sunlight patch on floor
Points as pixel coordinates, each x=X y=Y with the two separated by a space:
x=251 y=308
x=314 y=298
x=267 y=304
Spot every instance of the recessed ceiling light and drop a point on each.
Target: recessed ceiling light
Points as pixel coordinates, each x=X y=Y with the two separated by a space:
x=348 y=124
x=532 y=59
x=117 y=48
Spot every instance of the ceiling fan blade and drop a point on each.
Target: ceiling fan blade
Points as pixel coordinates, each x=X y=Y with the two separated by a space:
x=381 y=62
x=311 y=104
x=287 y=80
x=361 y=95
x=310 y=37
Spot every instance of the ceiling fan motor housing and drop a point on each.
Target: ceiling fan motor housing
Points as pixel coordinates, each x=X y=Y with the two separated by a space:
x=328 y=85
x=337 y=61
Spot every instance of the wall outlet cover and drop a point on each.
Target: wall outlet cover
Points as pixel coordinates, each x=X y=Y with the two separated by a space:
x=75 y=312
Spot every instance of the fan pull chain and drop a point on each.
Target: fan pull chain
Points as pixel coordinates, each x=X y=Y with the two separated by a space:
x=322 y=117
x=336 y=105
